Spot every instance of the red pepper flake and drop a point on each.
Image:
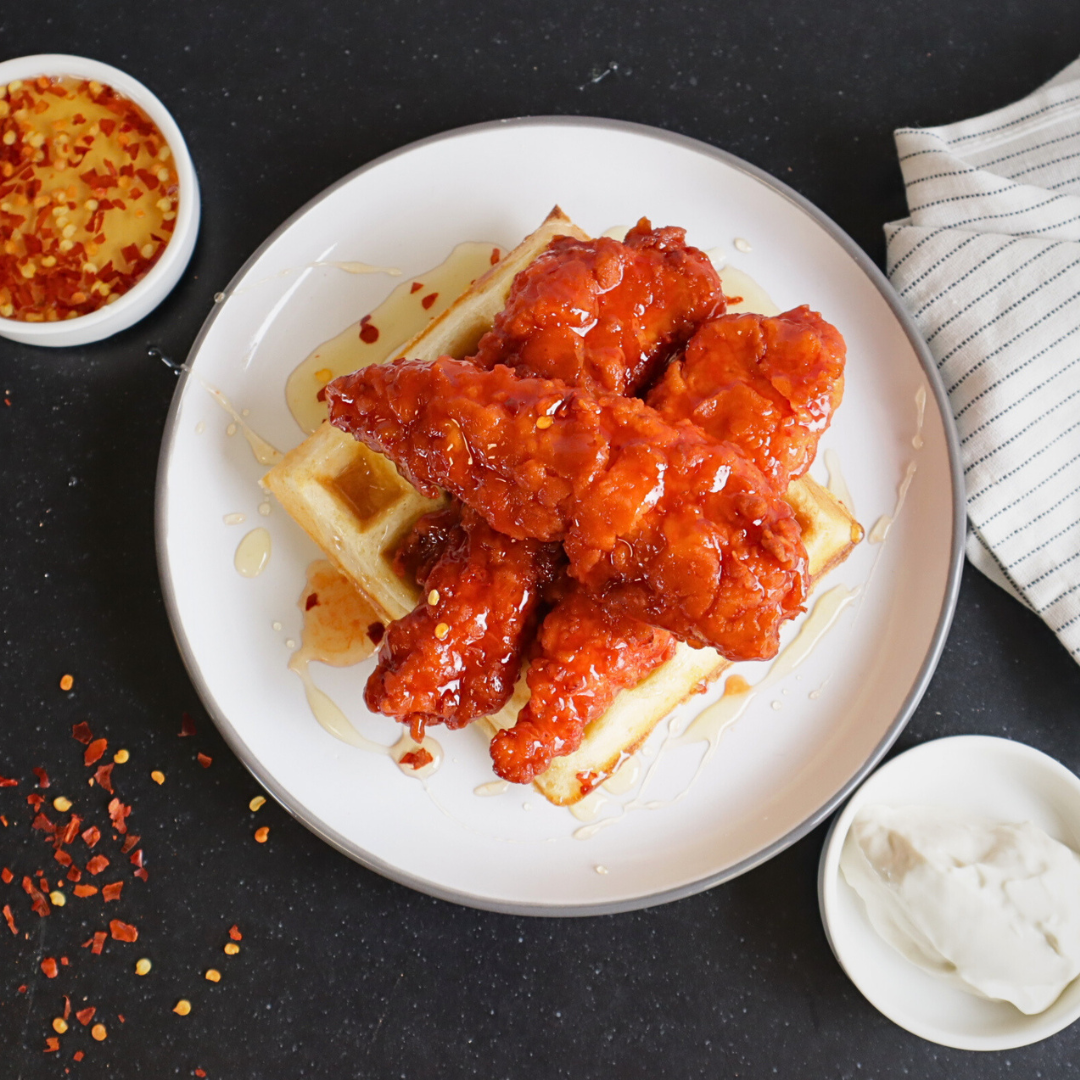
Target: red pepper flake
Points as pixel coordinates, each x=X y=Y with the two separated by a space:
x=42 y=822
x=311 y=601
x=108 y=126
x=103 y=776
x=91 y=835
x=4 y=820
x=129 y=843
x=429 y=300
x=52 y=1044
x=416 y=286
x=78 y=1056
x=22 y=989
x=71 y=830
x=6 y=876
x=234 y=933
x=123 y=931
x=131 y=252
x=42 y=777
x=200 y=1072
x=84 y=1016
x=37 y=900
x=36 y=801
x=74 y=874
x=94 y=751
x=67 y=1006
x=496 y=255
x=48 y=965
x=7 y=781
x=369 y=333
x=82 y=732
x=187 y=725
x=97 y=864
x=117 y=813
x=62 y=857
x=417 y=759
x=64 y=961
x=85 y=890
x=112 y=892
x=99 y=942
x=120 y=1017
x=44 y=883
x=137 y=858
x=10 y=919
x=205 y=760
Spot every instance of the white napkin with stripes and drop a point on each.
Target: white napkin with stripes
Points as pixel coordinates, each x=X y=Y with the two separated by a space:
x=988 y=264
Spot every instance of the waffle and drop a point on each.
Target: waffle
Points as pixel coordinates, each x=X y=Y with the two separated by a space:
x=356 y=506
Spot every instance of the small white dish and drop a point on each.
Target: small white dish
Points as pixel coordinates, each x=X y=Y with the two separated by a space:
x=1001 y=779
x=139 y=301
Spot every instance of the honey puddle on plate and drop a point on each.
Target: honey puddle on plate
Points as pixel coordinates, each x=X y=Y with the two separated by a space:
x=338 y=627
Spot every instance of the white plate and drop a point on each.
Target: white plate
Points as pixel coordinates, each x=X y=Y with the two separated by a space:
x=780 y=770
x=999 y=779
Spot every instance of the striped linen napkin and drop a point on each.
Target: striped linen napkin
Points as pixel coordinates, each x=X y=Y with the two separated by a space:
x=988 y=264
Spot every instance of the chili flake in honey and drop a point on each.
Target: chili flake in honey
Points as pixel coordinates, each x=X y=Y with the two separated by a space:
x=88 y=197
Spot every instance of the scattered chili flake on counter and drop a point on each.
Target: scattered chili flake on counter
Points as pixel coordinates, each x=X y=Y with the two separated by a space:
x=94 y=751
x=88 y=197
x=97 y=864
x=118 y=813
x=85 y=890
x=187 y=725
x=7 y=781
x=66 y=683
x=78 y=1056
x=52 y=1044
x=6 y=876
x=10 y=919
x=81 y=732
x=49 y=966
x=42 y=777
x=234 y=933
x=103 y=777
x=205 y=760
x=112 y=891
x=122 y=931
x=84 y=1016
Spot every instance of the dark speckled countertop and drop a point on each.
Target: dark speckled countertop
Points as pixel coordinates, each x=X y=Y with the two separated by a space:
x=341 y=973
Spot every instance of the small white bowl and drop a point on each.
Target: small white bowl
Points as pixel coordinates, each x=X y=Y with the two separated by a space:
x=1001 y=779
x=140 y=300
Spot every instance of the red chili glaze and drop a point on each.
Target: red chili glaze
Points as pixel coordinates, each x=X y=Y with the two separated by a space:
x=421 y=549
x=767 y=384
x=604 y=315
x=669 y=525
x=586 y=655
x=458 y=658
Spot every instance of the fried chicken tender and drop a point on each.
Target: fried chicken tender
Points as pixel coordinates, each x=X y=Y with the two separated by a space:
x=662 y=522
x=767 y=384
x=586 y=655
x=457 y=655
x=603 y=314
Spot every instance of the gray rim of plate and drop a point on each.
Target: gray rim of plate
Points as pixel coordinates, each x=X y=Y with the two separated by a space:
x=346 y=847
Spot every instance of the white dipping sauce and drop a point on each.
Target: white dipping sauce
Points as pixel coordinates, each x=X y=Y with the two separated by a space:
x=993 y=908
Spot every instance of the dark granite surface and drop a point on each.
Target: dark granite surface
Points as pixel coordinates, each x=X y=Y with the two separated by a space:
x=341 y=973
